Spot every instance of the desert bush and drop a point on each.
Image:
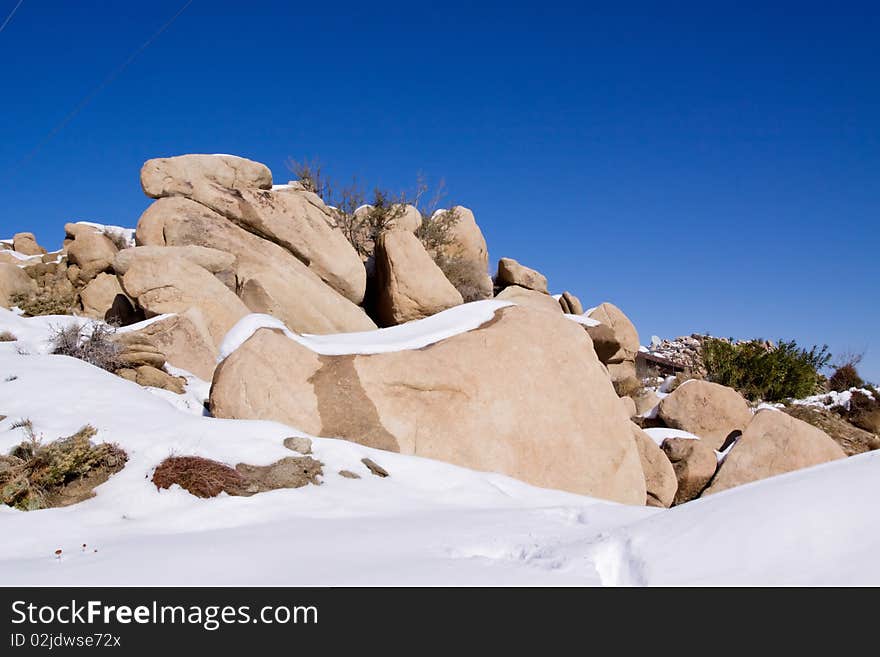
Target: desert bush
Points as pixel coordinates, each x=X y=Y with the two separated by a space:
x=97 y=347
x=845 y=377
x=6 y=336
x=763 y=372
x=33 y=470
x=200 y=476
x=863 y=410
x=465 y=275
x=310 y=174
x=628 y=387
x=48 y=300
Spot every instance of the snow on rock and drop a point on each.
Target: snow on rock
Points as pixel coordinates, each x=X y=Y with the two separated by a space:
x=124 y=234
x=659 y=434
x=412 y=335
x=582 y=319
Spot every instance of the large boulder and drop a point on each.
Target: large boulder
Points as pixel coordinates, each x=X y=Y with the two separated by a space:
x=605 y=342
x=548 y=417
x=173 y=285
x=270 y=279
x=213 y=260
x=13 y=281
x=624 y=331
x=694 y=463
x=773 y=443
x=529 y=298
x=409 y=285
x=185 y=340
x=708 y=410
x=468 y=244
x=660 y=480
x=510 y=272
x=26 y=244
x=181 y=175
x=99 y=295
x=92 y=253
x=297 y=221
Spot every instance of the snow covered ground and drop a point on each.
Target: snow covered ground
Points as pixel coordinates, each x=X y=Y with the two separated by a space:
x=428 y=523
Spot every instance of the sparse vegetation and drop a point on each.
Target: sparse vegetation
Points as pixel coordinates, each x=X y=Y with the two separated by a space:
x=845 y=375
x=34 y=474
x=864 y=410
x=96 y=347
x=200 y=476
x=761 y=371
x=47 y=300
x=6 y=336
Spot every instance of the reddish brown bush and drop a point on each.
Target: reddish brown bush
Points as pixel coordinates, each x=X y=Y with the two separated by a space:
x=200 y=476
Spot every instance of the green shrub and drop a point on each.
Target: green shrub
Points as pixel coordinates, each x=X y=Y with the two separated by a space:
x=762 y=372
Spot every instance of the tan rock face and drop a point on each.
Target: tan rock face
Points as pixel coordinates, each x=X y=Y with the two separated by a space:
x=271 y=279
x=13 y=280
x=186 y=342
x=26 y=244
x=605 y=342
x=179 y=176
x=410 y=220
x=469 y=244
x=549 y=417
x=660 y=480
x=707 y=410
x=298 y=222
x=624 y=331
x=773 y=443
x=213 y=260
x=99 y=295
x=93 y=253
x=173 y=285
x=645 y=401
x=409 y=285
x=694 y=463
x=571 y=304
x=510 y=272
x=529 y=298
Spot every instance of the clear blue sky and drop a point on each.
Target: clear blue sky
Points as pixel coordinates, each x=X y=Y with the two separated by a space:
x=707 y=166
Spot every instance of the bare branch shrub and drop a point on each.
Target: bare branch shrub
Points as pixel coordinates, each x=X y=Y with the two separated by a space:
x=97 y=347
x=200 y=476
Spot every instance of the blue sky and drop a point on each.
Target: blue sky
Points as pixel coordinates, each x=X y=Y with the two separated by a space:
x=707 y=167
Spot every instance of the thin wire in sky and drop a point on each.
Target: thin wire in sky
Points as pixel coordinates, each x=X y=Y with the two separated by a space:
x=104 y=83
x=11 y=14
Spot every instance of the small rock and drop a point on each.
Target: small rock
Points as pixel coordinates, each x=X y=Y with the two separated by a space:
x=299 y=444
x=348 y=474
x=374 y=467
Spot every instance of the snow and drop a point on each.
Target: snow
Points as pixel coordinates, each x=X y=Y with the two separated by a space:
x=429 y=523
x=659 y=434
x=412 y=335
x=832 y=399
x=126 y=234
x=582 y=319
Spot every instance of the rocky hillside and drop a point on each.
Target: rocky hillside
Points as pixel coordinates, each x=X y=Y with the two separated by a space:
x=264 y=292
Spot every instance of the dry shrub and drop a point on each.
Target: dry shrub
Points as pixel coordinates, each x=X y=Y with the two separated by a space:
x=628 y=387
x=466 y=275
x=863 y=411
x=200 y=476
x=48 y=300
x=97 y=348
x=34 y=472
x=846 y=376
x=6 y=336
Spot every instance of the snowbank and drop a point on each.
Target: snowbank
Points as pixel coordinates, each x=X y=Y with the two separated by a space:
x=412 y=335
